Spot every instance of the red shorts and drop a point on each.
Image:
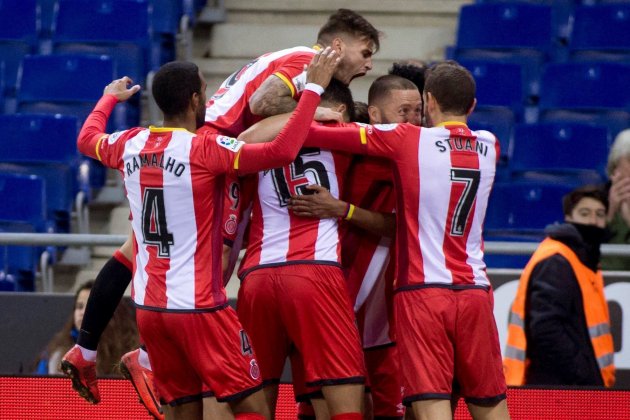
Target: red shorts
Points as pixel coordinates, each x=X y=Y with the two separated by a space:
x=384 y=376
x=198 y=355
x=303 y=308
x=449 y=335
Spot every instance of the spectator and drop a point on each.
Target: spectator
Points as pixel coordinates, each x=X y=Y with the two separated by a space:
x=619 y=199
x=120 y=335
x=559 y=331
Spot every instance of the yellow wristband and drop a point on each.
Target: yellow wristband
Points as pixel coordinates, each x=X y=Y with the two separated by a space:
x=350 y=212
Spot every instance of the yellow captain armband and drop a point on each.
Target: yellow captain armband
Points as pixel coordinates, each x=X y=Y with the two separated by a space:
x=286 y=82
x=349 y=212
x=98 y=146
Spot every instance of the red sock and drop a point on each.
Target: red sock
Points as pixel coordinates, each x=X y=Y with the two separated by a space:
x=348 y=416
x=249 y=416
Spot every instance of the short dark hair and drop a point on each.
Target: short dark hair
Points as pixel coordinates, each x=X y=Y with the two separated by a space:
x=409 y=71
x=381 y=87
x=570 y=200
x=361 y=114
x=173 y=86
x=349 y=22
x=339 y=93
x=452 y=86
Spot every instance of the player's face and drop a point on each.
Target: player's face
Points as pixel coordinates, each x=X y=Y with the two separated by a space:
x=200 y=115
x=79 y=307
x=356 y=58
x=401 y=106
x=588 y=211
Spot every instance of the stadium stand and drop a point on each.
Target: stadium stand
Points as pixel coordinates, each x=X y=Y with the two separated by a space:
x=596 y=92
x=600 y=32
x=26 y=213
x=19 y=31
x=572 y=151
x=46 y=145
x=520 y=33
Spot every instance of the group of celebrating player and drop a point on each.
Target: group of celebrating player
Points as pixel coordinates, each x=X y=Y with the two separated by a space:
x=364 y=254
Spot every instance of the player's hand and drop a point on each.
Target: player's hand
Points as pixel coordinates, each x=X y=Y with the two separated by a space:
x=322 y=67
x=619 y=193
x=320 y=205
x=326 y=114
x=120 y=89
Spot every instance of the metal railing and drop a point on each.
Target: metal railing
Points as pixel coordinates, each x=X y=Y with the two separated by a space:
x=89 y=240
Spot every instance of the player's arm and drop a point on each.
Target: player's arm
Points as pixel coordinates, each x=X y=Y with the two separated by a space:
x=279 y=92
x=286 y=145
x=265 y=130
x=90 y=140
x=273 y=97
x=322 y=205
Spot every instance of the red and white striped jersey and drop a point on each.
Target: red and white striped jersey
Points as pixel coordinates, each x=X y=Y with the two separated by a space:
x=443 y=177
x=278 y=237
x=228 y=109
x=365 y=257
x=175 y=183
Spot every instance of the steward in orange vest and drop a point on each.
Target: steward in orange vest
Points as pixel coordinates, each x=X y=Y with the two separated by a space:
x=559 y=329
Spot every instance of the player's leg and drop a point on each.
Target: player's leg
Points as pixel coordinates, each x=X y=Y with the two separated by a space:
x=191 y=410
x=136 y=367
x=426 y=351
x=214 y=410
x=384 y=377
x=258 y=312
x=109 y=286
x=320 y=321
x=478 y=356
x=178 y=383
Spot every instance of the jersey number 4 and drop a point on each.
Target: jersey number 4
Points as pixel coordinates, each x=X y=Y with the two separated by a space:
x=291 y=180
x=154 y=228
x=470 y=178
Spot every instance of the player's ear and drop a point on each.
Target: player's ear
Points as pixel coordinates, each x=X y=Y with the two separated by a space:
x=472 y=107
x=375 y=114
x=195 y=100
x=337 y=44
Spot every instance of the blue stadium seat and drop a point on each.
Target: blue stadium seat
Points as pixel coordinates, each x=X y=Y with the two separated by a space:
x=589 y=92
x=586 y=86
x=118 y=28
x=524 y=208
x=78 y=83
x=572 y=150
x=19 y=30
x=499 y=121
x=498 y=83
x=561 y=11
x=519 y=33
x=27 y=214
x=601 y=32
x=46 y=145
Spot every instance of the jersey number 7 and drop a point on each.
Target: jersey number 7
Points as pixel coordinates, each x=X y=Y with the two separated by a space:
x=470 y=178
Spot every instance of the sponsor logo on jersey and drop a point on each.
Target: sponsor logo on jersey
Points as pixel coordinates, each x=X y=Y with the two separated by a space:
x=229 y=143
x=254 y=370
x=386 y=127
x=231 y=225
x=113 y=138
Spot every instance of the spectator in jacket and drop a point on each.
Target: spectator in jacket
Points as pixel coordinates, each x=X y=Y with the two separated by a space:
x=559 y=331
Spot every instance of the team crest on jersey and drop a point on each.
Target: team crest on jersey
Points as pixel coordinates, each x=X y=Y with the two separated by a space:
x=229 y=143
x=386 y=127
x=254 y=370
x=230 y=225
x=113 y=138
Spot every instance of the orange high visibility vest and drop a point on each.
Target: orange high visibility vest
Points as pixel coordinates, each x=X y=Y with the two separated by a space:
x=595 y=309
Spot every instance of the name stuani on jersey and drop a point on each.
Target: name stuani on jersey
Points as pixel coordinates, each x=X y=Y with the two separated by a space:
x=462 y=144
x=154 y=160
